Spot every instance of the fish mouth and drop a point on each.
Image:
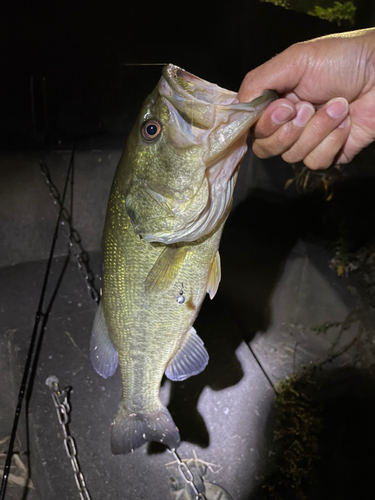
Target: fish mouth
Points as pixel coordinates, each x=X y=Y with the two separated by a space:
x=213 y=113
x=202 y=102
x=195 y=100
x=209 y=116
x=190 y=86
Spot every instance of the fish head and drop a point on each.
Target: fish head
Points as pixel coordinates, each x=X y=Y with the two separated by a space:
x=182 y=157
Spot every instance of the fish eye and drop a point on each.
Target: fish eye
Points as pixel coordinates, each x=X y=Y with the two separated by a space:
x=151 y=130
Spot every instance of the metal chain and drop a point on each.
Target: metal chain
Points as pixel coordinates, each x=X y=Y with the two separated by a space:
x=60 y=400
x=62 y=406
x=74 y=239
x=186 y=475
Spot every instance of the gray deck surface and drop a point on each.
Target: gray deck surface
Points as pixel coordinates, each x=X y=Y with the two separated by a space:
x=276 y=287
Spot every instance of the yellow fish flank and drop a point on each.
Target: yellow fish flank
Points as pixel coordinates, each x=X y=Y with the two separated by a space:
x=170 y=197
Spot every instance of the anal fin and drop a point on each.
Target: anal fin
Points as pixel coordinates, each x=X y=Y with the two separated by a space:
x=103 y=353
x=190 y=359
x=214 y=276
x=165 y=269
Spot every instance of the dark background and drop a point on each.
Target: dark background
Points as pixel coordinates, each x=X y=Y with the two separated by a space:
x=80 y=48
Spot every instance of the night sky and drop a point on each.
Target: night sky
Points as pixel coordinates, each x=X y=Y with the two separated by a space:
x=80 y=48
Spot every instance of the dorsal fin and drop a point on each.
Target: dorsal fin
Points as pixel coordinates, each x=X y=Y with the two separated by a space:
x=165 y=269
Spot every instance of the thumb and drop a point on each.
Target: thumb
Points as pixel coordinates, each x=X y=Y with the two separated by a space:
x=282 y=74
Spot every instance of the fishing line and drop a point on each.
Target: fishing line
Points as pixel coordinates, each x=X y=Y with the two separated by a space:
x=28 y=364
x=145 y=64
x=42 y=330
x=56 y=289
x=245 y=335
x=261 y=367
x=34 y=367
x=247 y=342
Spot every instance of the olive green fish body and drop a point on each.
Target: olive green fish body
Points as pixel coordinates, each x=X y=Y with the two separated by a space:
x=147 y=327
x=171 y=195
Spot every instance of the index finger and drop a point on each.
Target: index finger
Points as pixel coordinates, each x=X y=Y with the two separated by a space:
x=277 y=114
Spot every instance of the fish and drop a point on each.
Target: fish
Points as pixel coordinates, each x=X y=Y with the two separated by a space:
x=170 y=197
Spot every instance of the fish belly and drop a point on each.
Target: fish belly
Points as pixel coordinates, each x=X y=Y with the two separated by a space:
x=147 y=328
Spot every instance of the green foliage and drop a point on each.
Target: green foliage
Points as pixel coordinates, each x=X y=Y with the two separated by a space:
x=279 y=3
x=339 y=12
x=296 y=437
x=324 y=10
x=324 y=327
x=342 y=262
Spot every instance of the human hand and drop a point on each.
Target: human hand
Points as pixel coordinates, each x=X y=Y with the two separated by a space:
x=326 y=110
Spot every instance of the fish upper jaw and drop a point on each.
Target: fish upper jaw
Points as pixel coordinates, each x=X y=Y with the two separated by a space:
x=206 y=113
x=201 y=102
x=185 y=85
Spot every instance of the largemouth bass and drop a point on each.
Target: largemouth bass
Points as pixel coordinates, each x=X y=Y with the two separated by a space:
x=170 y=197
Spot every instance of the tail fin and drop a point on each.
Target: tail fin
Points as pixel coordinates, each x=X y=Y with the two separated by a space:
x=131 y=430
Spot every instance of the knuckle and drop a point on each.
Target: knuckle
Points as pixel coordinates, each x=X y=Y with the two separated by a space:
x=323 y=155
x=288 y=135
x=248 y=77
x=260 y=151
x=319 y=159
x=292 y=156
x=277 y=143
x=261 y=129
x=343 y=158
x=316 y=164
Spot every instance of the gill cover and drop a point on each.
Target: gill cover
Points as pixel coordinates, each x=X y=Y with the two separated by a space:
x=181 y=185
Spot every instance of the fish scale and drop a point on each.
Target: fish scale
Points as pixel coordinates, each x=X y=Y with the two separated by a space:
x=170 y=197
x=126 y=268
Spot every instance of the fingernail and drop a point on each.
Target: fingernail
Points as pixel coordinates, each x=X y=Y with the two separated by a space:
x=282 y=114
x=344 y=123
x=337 y=107
x=304 y=114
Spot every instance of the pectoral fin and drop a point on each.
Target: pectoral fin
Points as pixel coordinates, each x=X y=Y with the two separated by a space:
x=190 y=359
x=214 y=276
x=165 y=268
x=103 y=353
